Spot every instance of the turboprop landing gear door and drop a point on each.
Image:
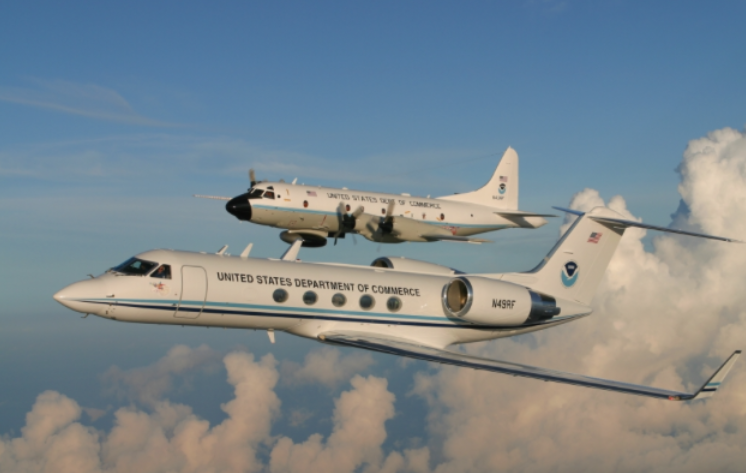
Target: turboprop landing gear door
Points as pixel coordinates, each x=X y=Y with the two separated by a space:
x=193 y=292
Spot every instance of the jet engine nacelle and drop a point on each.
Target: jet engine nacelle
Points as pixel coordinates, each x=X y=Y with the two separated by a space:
x=488 y=302
x=412 y=265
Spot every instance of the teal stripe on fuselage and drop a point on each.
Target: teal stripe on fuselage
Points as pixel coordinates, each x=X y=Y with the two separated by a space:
x=445 y=321
x=308 y=310
x=431 y=222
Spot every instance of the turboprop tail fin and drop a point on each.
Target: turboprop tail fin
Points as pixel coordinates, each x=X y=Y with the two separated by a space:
x=501 y=191
x=574 y=267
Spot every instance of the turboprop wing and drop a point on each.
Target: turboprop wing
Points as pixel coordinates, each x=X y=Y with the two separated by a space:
x=410 y=349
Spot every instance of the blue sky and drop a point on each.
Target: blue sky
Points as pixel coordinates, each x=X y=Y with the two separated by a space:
x=113 y=115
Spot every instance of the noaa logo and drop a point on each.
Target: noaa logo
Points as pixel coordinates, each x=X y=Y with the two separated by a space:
x=570 y=273
x=501 y=188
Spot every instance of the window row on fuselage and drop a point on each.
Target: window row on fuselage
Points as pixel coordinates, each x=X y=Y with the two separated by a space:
x=366 y=301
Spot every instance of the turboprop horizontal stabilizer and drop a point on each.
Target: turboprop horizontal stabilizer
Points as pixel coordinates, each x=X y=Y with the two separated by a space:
x=410 y=349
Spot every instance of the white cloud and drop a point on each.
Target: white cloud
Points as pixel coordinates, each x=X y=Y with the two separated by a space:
x=326 y=366
x=665 y=318
x=148 y=385
x=171 y=438
x=359 y=432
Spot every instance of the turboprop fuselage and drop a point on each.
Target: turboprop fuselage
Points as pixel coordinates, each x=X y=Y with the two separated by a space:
x=313 y=214
x=315 y=210
x=308 y=299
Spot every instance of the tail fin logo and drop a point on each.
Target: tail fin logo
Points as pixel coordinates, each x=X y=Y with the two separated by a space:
x=570 y=273
x=503 y=184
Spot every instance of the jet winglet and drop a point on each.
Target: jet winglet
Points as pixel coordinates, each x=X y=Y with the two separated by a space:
x=713 y=384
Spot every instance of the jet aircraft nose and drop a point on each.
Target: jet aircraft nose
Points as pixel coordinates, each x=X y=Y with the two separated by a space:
x=239 y=207
x=74 y=295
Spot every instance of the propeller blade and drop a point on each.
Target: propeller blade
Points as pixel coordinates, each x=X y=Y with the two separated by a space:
x=252 y=177
x=390 y=209
x=341 y=209
x=358 y=212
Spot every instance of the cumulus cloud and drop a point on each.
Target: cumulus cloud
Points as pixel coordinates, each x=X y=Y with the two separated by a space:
x=170 y=438
x=326 y=366
x=665 y=317
x=148 y=384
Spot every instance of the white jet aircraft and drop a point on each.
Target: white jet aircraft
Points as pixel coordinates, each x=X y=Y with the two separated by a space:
x=397 y=306
x=313 y=214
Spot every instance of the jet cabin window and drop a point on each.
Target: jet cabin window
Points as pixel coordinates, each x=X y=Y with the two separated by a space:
x=163 y=272
x=135 y=267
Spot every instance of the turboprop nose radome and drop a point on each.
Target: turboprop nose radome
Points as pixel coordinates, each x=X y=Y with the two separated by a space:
x=74 y=295
x=239 y=207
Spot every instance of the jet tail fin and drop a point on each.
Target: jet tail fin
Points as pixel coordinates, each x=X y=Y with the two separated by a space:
x=502 y=189
x=574 y=267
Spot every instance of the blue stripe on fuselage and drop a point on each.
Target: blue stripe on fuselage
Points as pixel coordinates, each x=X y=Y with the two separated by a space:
x=311 y=314
x=431 y=222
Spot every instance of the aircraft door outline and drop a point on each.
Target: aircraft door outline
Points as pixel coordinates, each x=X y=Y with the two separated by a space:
x=193 y=291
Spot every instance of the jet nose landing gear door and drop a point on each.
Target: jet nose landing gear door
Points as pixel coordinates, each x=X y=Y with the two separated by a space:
x=193 y=292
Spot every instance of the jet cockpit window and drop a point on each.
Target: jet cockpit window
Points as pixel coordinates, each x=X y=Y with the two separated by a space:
x=135 y=267
x=163 y=272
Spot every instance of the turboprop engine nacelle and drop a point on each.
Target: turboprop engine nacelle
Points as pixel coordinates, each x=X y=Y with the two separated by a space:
x=488 y=302
x=413 y=265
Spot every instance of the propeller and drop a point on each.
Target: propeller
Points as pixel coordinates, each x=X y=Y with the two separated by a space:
x=346 y=221
x=387 y=222
x=252 y=177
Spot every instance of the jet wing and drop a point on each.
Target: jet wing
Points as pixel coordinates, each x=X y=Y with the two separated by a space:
x=411 y=349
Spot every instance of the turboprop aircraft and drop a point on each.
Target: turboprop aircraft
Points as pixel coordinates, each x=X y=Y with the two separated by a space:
x=397 y=306
x=313 y=214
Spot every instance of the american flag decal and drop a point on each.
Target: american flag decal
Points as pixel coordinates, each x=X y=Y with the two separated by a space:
x=503 y=178
x=311 y=193
x=595 y=237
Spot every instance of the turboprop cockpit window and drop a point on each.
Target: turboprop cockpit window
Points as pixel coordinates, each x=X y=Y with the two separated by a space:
x=270 y=193
x=255 y=193
x=135 y=267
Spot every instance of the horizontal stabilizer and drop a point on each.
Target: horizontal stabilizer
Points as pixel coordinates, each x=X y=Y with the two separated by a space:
x=520 y=213
x=621 y=223
x=213 y=197
x=456 y=238
x=411 y=349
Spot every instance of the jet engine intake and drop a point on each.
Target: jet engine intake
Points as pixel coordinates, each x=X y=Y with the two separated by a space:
x=484 y=301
